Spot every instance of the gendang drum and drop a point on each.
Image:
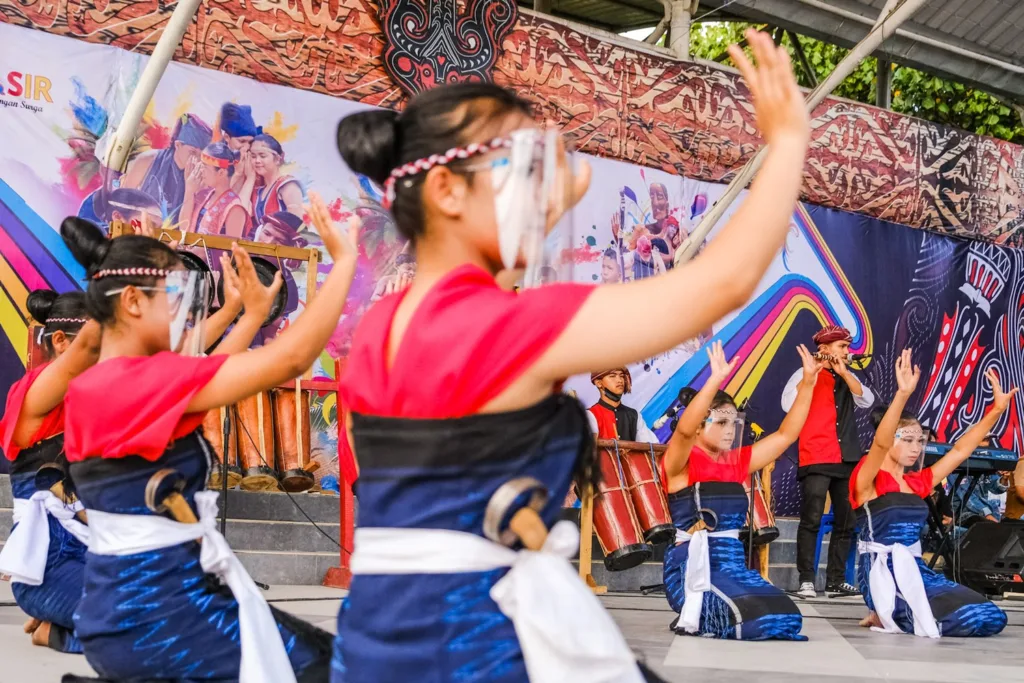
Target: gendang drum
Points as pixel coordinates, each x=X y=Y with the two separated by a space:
x=292 y=434
x=213 y=430
x=615 y=522
x=256 y=443
x=640 y=465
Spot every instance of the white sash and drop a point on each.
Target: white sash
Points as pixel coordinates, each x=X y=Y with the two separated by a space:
x=906 y=576
x=698 y=574
x=264 y=658
x=564 y=632
x=24 y=554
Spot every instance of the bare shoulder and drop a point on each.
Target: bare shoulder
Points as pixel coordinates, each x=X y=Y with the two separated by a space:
x=137 y=170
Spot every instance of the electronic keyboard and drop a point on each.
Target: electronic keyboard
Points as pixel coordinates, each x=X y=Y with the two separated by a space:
x=981 y=461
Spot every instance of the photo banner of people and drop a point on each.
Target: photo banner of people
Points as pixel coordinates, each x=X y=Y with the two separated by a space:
x=219 y=154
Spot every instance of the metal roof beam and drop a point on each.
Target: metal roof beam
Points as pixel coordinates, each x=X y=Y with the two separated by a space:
x=834 y=24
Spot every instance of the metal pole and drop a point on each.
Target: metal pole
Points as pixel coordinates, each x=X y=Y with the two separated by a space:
x=679 y=30
x=883 y=84
x=801 y=56
x=883 y=28
x=124 y=137
x=659 y=30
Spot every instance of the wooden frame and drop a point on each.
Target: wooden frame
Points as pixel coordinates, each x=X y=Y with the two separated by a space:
x=189 y=240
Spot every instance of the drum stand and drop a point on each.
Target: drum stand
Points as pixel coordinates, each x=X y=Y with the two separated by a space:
x=224 y=472
x=587 y=540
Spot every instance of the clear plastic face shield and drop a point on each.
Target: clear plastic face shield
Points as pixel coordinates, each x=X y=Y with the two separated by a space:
x=187 y=297
x=722 y=435
x=534 y=179
x=908 y=446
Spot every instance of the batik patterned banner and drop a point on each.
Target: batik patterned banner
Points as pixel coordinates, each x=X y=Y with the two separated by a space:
x=619 y=101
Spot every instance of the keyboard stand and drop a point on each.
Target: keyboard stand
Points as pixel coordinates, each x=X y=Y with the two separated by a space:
x=946 y=543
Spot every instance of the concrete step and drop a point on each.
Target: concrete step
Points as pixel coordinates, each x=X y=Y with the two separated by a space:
x=300 y=537
x=288 y=568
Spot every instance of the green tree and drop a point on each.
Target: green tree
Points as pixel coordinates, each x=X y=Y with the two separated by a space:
x=914 y=92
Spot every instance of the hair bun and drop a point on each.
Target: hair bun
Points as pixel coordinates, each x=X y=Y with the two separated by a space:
x=368 y=142
x=87 y=242
x=40 y=303
x=876 y=414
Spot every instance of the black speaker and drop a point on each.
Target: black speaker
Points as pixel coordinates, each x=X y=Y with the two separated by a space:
x=992 y=557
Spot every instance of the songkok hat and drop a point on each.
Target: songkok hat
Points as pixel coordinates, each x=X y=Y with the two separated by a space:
x=832 y=333
x=594 y=376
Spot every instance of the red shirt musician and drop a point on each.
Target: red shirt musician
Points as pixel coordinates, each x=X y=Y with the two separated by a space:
x=609 y=418
x=829 y=449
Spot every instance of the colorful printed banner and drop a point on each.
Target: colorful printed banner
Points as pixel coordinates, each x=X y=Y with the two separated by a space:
x=960 y=308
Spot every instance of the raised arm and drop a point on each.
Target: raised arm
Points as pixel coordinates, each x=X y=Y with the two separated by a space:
x=293 y=352
x=907 y=376
x=725 y=275
x=966 y=444
x=48 y=390
x=677 y=455
x=774 y=445
x=244 y=289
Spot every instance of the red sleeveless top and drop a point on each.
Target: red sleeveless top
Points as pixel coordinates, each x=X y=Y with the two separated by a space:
x=733 y=468
x=53 y=422
x=134 y=405
x=920 y=483
x=467 y=341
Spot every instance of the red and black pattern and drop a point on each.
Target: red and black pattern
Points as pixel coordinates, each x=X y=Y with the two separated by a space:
x=950 y=405
x=429 y=43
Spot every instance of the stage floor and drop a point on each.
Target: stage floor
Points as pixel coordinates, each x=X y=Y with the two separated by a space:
x=838 y=648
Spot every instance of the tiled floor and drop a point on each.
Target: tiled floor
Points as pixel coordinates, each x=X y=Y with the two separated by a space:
x=837 y=647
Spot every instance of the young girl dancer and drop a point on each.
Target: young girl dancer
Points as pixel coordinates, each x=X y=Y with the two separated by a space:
x=706 y=576
x=45 y=552
x=149 y=608
x=454 y=384
x=887 y=489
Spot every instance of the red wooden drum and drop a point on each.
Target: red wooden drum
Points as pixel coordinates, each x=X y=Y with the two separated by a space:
x=765 y=530
x=213 y=430
x=256 y=443
x=645 y=488
x=615 y=522
x=291 y=437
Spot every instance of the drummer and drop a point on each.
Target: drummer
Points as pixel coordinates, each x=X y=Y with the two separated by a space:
x=454 y=384
x=609 y=418
x=706 y=579
x=140 y=464
x=44 y=555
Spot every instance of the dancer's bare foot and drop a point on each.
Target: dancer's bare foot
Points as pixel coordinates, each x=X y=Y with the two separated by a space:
x=31 y=625
x=41 y=636
x=871 y=620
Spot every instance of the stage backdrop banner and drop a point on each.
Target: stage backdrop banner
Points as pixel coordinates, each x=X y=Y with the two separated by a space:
x=957 y=303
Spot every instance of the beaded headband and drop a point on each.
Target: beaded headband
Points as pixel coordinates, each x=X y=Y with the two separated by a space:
x=131 y=272
x=67 y=320
x=425 y=164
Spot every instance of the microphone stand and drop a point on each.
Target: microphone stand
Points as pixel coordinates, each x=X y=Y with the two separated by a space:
x=224 y=471
x=750 y=526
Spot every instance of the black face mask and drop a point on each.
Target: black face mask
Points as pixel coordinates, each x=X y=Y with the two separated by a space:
x=611 y=395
